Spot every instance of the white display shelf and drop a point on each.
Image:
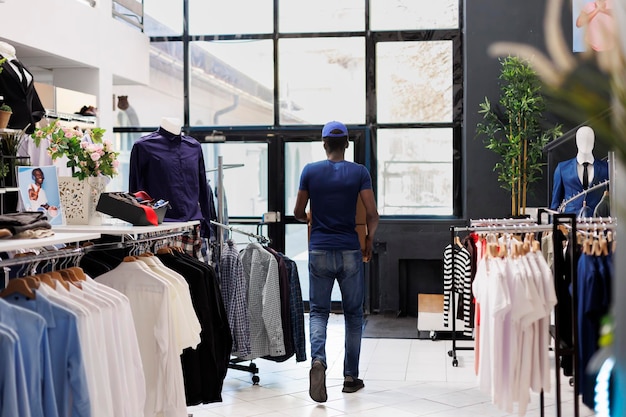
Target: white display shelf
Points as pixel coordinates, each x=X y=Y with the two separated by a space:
x=124 y=228
x=7 y=245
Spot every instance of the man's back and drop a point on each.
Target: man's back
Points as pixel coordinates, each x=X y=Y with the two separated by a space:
x=333 y=191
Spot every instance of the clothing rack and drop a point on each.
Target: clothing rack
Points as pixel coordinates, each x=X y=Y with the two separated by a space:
x=583 y=193
x=262 y=239
x=234 y=363
x=78 y=252
x=574 y=225
x=491 y=226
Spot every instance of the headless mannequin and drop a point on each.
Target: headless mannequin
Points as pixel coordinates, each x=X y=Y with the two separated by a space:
x=171 y=124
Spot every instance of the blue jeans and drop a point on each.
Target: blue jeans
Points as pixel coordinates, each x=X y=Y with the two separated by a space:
x=347 y=268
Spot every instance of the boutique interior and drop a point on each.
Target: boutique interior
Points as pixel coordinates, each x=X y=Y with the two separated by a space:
x=150 y=166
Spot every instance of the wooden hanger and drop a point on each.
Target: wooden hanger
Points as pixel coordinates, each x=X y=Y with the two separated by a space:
x=58 y=278
x=46 y=279
x=32 y=281
x=457 y=241
x=18 y=286
x=166 y=250
x=78 y=273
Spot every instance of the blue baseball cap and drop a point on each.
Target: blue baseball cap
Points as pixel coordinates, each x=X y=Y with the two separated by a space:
x=334 y=125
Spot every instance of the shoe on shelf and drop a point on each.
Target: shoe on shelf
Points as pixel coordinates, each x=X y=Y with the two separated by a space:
x=351 y=384
x=317 y=382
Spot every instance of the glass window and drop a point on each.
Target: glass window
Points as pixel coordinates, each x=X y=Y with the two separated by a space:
x=245 y=187
x=218 y=17
x=322 y=79
x=146 y=105
x=163 y=97
x=297 y=155
x=414 y=14
x=297 y=249
x=163 y=17
x=415 y=171
x=321 y=16
x=414 y=82
x=231 y=83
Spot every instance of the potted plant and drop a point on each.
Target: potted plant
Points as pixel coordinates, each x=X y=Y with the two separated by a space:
x=93 y=162
x=514 y=129
x=5 y=115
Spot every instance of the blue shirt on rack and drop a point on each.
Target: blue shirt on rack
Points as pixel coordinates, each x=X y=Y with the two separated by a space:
x=33 y=339
x=13 y=392
x=68 y=370
x=171 y=167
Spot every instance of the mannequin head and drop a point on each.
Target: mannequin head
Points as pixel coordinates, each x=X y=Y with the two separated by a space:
x=7 y=50
x=171 y=124
x=585 y=140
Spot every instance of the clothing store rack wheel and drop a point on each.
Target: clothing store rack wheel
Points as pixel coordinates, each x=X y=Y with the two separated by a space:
x=252 y=368
x=455 y=361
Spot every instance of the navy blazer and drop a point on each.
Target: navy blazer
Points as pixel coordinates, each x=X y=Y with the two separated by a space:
x=567 y=185
x=25 y=102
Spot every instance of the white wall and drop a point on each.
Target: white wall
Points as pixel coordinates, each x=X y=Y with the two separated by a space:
x=77 y=47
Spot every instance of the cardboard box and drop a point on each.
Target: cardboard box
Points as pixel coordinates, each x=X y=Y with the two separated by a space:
x=125 y=211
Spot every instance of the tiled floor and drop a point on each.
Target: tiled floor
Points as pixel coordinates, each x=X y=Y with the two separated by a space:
x=403 y=378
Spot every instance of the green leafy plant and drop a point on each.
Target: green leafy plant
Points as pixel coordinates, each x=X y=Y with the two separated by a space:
x=6 y=107
x=91 y=157
x=514 y=129
x=4 y=170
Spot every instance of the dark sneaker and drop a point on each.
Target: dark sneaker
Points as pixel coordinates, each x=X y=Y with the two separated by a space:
x=317 y=382
x=351 y=384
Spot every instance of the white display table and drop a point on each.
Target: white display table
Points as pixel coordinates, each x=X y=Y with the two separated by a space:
x=124 y=228
x=7 y=245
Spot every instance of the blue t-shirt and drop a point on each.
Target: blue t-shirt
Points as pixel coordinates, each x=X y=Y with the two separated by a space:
x=333 y=191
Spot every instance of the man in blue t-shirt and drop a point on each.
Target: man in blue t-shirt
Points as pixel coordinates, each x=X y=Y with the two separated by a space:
x=333 y=186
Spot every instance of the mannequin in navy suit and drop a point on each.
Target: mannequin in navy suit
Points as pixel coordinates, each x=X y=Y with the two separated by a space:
x=568 y=176
x=16 y=85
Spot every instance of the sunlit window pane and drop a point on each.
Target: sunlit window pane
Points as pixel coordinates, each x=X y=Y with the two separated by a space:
x=321 y=16
x=146 y=105
x=414 y=14
x=297 y=155
x=219 y=17
x=163 y=17
x=245 y=187
x=163 y=97
x=296 y=248
x=414 y=82
x=415 y=171
x=231 y=83
x=322 y=79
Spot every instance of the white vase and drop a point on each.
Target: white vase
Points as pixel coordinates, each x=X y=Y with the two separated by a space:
x=79 y=199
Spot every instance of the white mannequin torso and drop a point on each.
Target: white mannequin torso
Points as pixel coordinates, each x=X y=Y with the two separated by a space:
x=171 y=124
